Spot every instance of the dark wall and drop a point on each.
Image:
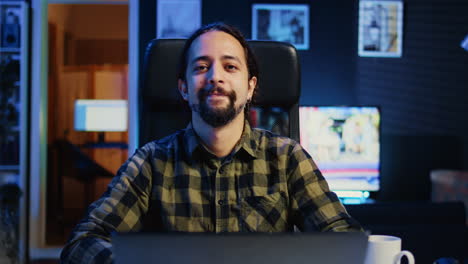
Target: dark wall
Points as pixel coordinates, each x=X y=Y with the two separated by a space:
x=423 y=95
x=328 y=67
x=425 y=91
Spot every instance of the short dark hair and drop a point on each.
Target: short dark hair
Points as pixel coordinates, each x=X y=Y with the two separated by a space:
x=252 y=65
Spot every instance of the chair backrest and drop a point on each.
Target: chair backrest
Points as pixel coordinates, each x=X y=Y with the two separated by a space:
x=163 y=111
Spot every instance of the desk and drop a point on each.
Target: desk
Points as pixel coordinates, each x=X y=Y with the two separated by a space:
x=109 y=155
x=77 y=177
x=105 y=145
x=429 y=230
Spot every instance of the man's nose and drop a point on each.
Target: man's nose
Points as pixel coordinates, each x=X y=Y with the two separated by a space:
x=215 y=74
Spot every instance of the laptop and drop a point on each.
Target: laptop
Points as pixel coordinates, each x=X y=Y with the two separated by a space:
x=240 y=248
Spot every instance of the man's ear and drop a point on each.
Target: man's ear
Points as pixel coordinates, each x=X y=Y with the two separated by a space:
x=182 y=85
x=252 y=86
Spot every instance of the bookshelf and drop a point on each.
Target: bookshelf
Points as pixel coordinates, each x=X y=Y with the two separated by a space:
x=13 y=125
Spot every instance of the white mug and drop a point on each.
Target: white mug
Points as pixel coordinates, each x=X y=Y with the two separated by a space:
x=386 y=250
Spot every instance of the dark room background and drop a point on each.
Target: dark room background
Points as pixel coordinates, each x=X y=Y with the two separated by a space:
x=423 y=95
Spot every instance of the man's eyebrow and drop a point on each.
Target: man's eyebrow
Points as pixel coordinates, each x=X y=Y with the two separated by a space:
x=200 y=58
x=224 y=57
x=229 y=57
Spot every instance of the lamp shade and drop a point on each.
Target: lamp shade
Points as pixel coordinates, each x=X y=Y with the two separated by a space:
x=101 y=115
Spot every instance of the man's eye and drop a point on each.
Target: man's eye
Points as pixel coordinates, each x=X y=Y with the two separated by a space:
x=231 y=67
x=200 y=68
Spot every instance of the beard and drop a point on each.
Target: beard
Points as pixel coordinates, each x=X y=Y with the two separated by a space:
x=217 y=117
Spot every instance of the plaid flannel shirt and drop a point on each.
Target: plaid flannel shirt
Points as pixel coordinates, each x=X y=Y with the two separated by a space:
x=268 y=183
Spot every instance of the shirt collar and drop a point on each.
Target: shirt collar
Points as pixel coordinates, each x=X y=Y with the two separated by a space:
x=191 y=140
x=248 y=142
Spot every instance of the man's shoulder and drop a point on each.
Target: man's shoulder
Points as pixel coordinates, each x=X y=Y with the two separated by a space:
x=269 y=140
x=167 y=142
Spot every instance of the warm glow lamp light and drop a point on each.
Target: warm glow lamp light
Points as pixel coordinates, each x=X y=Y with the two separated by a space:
x=101 y=116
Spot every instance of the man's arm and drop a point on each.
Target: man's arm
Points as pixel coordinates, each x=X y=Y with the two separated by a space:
x=119 y=210
x=314 y=206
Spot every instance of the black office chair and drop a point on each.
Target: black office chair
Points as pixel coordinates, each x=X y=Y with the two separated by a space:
x=163 y=111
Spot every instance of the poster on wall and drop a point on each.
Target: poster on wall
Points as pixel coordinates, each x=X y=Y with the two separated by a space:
x=279 y=22
x=380 y=28
x=177 y=18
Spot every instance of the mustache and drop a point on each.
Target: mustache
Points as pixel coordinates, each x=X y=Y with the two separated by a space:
x=204 y=93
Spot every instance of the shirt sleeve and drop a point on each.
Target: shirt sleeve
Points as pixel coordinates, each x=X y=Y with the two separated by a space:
x=120 y=209
x=314 y=206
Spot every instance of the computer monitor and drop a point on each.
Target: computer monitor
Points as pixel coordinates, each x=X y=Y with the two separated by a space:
x=344 y=141
x=101 y=115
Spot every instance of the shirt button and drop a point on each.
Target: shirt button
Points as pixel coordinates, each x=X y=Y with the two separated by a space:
x=220 y=202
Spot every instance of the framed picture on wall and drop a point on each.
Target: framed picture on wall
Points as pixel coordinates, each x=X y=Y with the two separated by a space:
x=380 y=28
x=281 y=22
x=177 y=18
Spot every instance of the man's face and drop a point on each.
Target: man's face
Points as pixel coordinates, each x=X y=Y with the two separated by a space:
x=217 y=86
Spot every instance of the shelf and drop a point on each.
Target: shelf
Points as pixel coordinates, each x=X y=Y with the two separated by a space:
x=9 y=167
x=10 y=49
x=14 y=165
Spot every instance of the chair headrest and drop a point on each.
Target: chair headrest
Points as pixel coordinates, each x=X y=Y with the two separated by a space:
x=279 y=80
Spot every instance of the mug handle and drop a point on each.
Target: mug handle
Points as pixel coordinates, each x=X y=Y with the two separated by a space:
x=406 y=253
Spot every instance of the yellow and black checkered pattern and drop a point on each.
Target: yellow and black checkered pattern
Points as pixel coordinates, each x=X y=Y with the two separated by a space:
x=268 y=184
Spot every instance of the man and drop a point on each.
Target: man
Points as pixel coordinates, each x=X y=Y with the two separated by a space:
x=217 y=175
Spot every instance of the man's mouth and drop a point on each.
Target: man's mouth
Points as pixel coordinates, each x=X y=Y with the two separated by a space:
x=216 y=95
x=216 y=92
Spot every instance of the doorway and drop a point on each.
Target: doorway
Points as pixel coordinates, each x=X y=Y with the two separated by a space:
x=88 y=59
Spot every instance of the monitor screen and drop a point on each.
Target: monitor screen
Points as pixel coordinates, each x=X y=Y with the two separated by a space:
x=101 y=115
x=344 y=141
